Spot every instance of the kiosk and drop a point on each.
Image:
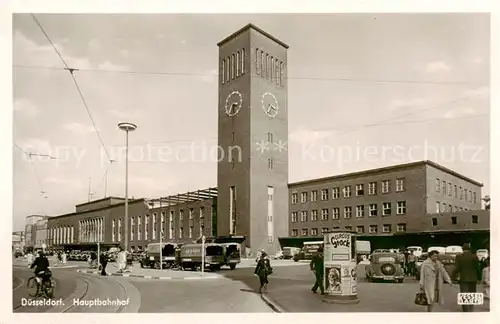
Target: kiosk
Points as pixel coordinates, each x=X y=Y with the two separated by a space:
x=340 y=275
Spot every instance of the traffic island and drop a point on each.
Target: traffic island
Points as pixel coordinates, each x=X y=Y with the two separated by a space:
x=142 y=273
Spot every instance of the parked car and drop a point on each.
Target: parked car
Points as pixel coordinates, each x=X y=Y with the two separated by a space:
x=385 y=266
x=482 y=254
x=299 y=256
x=278 y=255
x=417 y=250
x=290 y=252
x=447 y=259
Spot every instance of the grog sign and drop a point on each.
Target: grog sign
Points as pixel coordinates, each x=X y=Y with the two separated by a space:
x=341 y=239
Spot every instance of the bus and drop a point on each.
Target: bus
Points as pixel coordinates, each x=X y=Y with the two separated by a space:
x=310 y=248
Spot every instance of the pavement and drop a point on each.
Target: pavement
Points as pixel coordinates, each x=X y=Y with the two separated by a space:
x=289 y=290
x=117 y=294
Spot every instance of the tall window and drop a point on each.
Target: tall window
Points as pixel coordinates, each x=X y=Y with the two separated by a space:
x=257 y=61
x=228 y=72
x=324 y=194
x=232 y=209
x=372 y=188
x=347 y=191
x=438 y=185
x=154 y=226
x=171 y=224
x=232 y=67
x=303 y=216
x=223 y=71
x=139 y=228
x=282 y=73
x=295 y=197
x=386 y=186
x=400 y=184
x=336 y=193
x=113 y=225
x=237 y=63
x=132 y=224
x=243 y=68
x=347 y=212
x=270 y=214
x=303 y=197
x=119 y=230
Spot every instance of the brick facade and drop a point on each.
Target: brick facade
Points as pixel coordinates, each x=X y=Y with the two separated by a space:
x=416 y=192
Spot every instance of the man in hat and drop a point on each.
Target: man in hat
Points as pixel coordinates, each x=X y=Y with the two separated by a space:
x=468 y=269
x=317 y=266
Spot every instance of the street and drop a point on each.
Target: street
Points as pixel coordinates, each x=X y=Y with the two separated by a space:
x=232 y=291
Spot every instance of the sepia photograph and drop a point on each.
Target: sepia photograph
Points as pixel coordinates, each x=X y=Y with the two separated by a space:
x=251 y=163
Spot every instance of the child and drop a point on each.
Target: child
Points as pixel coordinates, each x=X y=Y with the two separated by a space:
x=486 y=278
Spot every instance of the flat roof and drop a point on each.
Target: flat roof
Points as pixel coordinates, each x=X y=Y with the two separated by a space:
x=386 y=169
x=251 y=26
x=99 y=200
x=191 y=196
x=99 y=209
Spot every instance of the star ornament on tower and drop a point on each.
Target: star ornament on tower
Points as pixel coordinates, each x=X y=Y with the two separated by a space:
x=262 y=146
x=281 y=146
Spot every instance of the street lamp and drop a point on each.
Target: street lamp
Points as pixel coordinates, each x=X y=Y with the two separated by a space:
x=126 y=127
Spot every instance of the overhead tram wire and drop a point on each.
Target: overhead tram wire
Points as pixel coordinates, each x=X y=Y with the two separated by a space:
x=338 y=79
x=339 y=128
x=71 y=72
x=35 y=171
x=105 y=178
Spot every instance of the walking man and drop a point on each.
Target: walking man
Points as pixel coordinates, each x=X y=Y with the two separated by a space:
x=104 y=262
x=469 y=271
x=317 y=266
x=412 y=259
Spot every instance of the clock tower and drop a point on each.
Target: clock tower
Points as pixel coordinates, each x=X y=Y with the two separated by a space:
x=252 y=171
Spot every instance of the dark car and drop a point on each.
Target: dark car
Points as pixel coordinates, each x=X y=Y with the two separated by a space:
x=385 y=266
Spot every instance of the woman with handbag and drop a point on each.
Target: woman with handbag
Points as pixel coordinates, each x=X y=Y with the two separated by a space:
x=263 y=269
x=432 y=276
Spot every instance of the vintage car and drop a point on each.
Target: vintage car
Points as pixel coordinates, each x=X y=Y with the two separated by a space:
x=384 y=266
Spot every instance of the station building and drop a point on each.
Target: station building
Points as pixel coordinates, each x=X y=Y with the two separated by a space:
x=407 y=203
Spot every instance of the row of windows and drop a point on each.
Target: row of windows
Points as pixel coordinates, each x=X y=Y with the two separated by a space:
x=61 y=234
x=347 y=212
x=385 y=187
x=372 y=229
x=91 y=230
x=269 y=67
x=233 y=66
x=454 y=221
x=444 y=208
x=452 y=190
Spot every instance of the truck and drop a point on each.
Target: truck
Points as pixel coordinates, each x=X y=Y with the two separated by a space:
x=152 y=258
x=232 y=254
x=191 y=256
x=363 y=250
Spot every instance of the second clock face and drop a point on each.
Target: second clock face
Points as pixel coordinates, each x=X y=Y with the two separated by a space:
x=233 y=103
x=270 y=104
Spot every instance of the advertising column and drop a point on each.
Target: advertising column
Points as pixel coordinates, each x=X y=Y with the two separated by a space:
x=340 y=279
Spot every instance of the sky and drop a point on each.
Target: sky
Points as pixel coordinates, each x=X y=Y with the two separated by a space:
x=364 y=91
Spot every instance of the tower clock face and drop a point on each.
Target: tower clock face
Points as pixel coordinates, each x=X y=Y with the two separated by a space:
x=270 y=104
x=233 y=103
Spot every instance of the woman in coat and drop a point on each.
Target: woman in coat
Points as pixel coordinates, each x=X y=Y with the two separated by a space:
x=262 y=270
x=432 y=276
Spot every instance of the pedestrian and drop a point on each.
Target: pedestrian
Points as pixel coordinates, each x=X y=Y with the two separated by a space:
x=104 y=262
x=64 y=257
x=412 y=260
x=317 y=266
x=263 y=270
x=468 y=270
x=486 y=278
x=432 y=276
x=30 y=258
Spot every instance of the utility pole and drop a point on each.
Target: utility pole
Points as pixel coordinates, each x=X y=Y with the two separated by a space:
x=90 y=192
x=106 y=179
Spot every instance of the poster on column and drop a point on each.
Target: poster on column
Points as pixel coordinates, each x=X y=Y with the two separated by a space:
x=333 y=284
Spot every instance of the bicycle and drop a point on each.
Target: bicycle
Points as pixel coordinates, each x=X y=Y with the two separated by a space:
x=43 y=289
